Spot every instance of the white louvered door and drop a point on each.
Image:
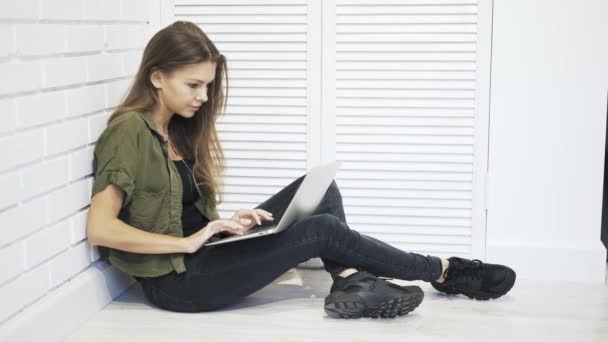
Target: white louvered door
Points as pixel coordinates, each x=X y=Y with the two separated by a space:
x=409 y=123
x=396 y=90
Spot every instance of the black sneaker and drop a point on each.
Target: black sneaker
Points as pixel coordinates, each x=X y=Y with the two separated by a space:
x=362 y=294
x=475 y=279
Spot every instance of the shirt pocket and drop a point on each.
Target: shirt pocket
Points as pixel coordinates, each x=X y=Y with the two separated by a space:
x=154 y=176
x=147 y=210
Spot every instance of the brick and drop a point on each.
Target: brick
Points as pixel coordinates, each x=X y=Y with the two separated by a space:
x=96 y=125
x=21 y=148
x=79 y=226
x=116 y=91
x=19 y=222
x=64 y=71
x=47 y=242
x=68 y=200
x=40 y=39
x=104 y=67
x=23 y=9
x=23 y=76
x=85 y=100
x=9 y=120
x=132 y=60
x=139 y=10
x=125 y=36
x=57 y=141
x=69 y=263
x=42 y=108
x=7 y=40
x=102 y=10
x=82 y=163
x=12 y=261
x=44 y=176
x=84 y=38
x=62 y=10
x=10 y=184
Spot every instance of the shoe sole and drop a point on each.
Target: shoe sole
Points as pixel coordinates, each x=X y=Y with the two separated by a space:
x=475 y=295
x=389 y=309
x=480 y=295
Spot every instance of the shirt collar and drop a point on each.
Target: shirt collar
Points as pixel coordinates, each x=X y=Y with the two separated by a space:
x=147 y=116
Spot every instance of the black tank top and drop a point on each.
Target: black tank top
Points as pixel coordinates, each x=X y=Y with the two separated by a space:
x=192 y=219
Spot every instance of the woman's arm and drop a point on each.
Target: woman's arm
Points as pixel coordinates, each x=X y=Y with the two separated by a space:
x=106 y=229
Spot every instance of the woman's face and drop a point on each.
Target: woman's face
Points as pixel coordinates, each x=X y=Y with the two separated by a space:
x=184 y=90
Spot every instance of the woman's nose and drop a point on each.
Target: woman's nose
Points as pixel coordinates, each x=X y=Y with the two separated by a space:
x=202 y=95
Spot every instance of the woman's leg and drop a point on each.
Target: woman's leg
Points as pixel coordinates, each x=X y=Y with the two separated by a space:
x=221 y=275
x=331 y=203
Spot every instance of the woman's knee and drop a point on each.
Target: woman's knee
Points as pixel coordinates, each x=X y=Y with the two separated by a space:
x=334 y=189
x=334 y=197
x=322 y=219
x=322 y=225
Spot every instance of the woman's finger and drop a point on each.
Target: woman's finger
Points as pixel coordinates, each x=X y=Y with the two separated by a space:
x=256 y=216
x=237 y=229
x=236 y=225
x=265 y=213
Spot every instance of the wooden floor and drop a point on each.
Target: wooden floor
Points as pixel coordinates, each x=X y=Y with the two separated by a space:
x=291 y=309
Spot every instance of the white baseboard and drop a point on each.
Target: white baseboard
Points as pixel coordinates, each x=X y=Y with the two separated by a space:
x=61 y=312
x=581 y=262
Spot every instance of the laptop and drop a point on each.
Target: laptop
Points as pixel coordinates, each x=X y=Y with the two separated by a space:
x=304 y=203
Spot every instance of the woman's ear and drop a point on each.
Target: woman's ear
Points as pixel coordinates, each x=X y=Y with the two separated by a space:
x=156 y=77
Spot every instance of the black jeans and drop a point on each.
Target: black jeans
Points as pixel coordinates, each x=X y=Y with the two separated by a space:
x=220 y=275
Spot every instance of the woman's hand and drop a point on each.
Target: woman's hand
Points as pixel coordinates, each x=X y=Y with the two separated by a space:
x=249 y=217
x=195 y=241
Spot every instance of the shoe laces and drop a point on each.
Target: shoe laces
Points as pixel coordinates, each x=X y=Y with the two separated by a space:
x=468 y=269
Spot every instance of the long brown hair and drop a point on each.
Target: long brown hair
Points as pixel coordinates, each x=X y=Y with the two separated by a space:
x=174 y=46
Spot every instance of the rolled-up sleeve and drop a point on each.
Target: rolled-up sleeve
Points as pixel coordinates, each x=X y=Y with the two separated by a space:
x=115 y=159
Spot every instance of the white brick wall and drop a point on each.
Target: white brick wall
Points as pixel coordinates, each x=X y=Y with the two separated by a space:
x=65 y=65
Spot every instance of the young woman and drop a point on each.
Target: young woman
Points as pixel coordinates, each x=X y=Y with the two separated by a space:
x=158 y=167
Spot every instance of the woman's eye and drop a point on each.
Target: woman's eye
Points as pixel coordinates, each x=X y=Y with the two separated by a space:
x=193 y=85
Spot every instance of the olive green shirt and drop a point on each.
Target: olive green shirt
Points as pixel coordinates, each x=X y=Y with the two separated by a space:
x=133 y=155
